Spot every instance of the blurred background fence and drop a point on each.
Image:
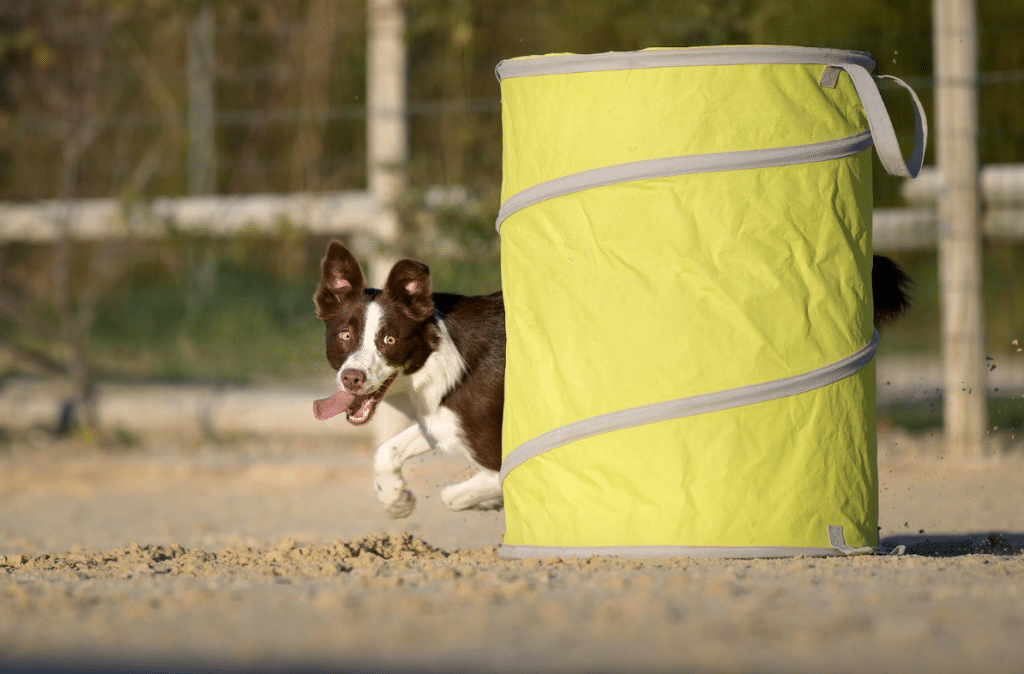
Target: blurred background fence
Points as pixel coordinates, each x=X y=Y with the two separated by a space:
x=171 y=171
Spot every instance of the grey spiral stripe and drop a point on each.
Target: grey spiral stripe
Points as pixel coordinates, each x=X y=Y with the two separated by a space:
x=689 y=406
x=684 y=165
x=565 y=64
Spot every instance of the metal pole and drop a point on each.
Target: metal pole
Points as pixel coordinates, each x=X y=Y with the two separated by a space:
x=387 y=153
x=202 y=151
x=963 y=339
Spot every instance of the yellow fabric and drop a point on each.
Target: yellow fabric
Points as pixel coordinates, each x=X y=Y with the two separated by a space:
x=664 y=288
x=687 y=110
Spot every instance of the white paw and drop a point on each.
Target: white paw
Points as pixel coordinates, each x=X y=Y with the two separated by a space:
x=388 y=487
x=458 y=497
x=490 y=504
x=402 y=506
x=480 y=492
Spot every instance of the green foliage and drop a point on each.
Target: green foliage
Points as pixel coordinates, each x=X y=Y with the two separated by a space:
x=455 y=237
x=214 y=311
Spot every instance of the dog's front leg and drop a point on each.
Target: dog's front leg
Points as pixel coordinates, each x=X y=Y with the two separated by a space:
x=387 y=470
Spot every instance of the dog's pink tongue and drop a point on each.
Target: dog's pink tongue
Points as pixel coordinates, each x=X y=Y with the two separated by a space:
x=330 y=407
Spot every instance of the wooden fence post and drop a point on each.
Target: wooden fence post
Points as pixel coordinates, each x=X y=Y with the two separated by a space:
x=387 y=153
x=202 y=151
x=960 y=278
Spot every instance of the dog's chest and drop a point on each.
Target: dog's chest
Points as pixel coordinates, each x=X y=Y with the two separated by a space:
x=440 y=425
x=443 y=429
x=419 y=395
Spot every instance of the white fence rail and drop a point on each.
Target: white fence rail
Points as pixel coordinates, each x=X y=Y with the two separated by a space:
x=101 y=219
x=216 y=410
x=917 y=226
x=911 y=228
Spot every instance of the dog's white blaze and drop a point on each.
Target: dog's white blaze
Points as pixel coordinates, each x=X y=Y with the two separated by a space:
x=367 y=358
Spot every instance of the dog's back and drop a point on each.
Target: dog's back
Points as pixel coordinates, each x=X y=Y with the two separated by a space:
x=476 y=325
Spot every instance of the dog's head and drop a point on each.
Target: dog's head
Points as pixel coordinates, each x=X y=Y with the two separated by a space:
x=372 y=336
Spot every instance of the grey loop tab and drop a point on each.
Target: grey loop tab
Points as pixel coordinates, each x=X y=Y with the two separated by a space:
x=829 y=77
x=836 y=540
x=837 y=547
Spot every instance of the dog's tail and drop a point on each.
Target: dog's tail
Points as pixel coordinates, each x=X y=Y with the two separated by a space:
x=890 y=287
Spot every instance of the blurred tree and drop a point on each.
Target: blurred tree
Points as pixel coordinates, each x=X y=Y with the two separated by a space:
x=818 y=22
x=73 y=88
x=76 y=100
x=314 y=94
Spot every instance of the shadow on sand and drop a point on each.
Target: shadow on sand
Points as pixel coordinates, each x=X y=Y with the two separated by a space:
x=955 y=545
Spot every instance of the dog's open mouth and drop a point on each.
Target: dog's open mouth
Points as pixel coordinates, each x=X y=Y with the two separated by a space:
x=358 y=407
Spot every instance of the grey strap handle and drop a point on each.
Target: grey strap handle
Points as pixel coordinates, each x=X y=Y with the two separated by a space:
x=882 y=131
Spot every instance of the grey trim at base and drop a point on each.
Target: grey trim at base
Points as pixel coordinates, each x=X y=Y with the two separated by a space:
x=642 y=551
x=835 y=538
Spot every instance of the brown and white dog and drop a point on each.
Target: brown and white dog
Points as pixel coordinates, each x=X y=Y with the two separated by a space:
x=440 y=359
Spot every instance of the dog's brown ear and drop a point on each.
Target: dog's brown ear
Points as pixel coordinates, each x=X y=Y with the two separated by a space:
x=341 y=279
x=409 y=284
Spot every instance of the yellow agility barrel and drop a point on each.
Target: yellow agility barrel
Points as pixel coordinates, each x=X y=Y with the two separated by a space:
x=686 y=262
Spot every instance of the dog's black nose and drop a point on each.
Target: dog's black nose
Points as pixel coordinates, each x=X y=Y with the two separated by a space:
x=353 y=380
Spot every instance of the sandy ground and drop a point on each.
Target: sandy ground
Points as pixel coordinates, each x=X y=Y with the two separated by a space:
x=273 y=555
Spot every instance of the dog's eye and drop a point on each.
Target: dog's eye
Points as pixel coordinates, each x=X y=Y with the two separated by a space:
x=389 y=340
x=345 y=335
